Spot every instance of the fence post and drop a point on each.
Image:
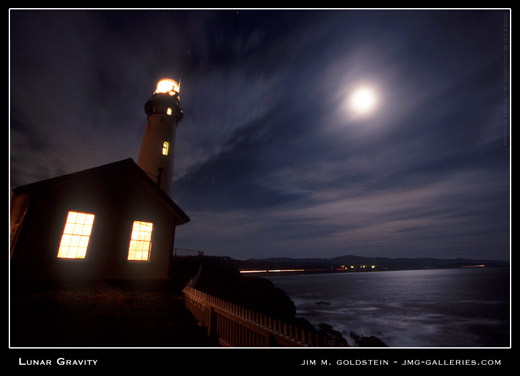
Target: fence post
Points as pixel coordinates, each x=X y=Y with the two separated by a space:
x=211 y=320
x=326 y=342
x=308 y=338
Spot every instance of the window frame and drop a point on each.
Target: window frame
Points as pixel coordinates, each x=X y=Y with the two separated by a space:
x=139 y=236
x=76 y=235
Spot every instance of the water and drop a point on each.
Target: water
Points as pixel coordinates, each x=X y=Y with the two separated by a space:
x=410 y=308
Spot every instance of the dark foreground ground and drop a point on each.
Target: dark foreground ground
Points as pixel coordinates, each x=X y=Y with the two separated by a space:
x=115 y=313
x=102 y=314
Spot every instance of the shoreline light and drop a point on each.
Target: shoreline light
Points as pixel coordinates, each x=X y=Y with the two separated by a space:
x=271 y=271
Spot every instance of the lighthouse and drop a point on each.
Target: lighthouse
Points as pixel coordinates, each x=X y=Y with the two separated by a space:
x=164 y=113
x=115 y=221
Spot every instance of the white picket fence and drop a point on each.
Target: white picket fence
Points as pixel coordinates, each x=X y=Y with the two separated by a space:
x=240 y=327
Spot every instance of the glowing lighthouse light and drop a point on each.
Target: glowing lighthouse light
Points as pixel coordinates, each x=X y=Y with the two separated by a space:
x=167 y=86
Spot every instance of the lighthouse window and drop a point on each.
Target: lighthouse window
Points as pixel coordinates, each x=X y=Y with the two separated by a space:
x=165 y=146
x=76 y=235
x=140 y=241
x=169 y=111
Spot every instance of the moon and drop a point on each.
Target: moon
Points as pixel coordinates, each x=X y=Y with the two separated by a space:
x=363 y=100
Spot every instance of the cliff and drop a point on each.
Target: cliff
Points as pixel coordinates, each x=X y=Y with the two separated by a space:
x=218 y=277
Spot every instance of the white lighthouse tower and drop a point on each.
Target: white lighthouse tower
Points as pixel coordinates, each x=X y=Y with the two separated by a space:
x=158 y=145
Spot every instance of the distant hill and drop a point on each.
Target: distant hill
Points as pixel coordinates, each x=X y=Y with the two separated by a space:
x=370 y=263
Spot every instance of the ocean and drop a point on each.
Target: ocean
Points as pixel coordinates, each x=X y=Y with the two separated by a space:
x=467 y=307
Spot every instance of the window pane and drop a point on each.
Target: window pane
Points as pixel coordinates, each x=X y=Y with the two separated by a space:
x=69 y=228
x=74 y=240
x=63 y=251
x=81 y=218
x=71 y=218
x=81 y=253
x=78 y=229
x=83 y=242
x=72 y=252
x=89 y=220
x=86 y=230
x=65 y=240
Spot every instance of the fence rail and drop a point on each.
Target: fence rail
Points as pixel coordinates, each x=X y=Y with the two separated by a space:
x=240 y=327
x=184 y=252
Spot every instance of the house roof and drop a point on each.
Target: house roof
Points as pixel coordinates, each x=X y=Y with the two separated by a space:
x=127 y=164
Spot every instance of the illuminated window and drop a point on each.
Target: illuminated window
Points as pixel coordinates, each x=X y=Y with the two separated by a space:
x=140 y=241
x=169 y=111
x=76 y=235
x=165 y=146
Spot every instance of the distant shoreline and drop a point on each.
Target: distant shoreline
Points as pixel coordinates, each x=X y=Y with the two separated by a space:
x=278 y=272
x=356 y=264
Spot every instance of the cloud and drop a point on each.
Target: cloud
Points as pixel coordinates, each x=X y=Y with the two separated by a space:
x=438 y=218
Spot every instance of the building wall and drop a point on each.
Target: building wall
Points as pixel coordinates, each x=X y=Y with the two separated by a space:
x=159 y=128
x=116 y=200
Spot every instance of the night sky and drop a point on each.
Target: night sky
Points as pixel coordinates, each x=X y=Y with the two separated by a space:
x=272 y=159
